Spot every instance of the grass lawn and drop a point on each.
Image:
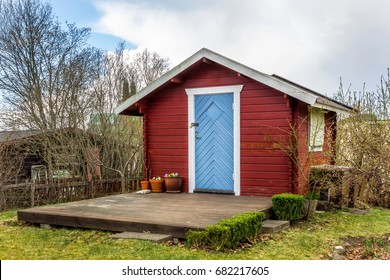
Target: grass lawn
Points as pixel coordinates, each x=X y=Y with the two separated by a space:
x=313 y=240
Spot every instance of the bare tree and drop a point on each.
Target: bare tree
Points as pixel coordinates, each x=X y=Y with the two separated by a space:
x=146 y=67
x=364 y=141
x=121 y=136
x=52 y=81
x=45 y=71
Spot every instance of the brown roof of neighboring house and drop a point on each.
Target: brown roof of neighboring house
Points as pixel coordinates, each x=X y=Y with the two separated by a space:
x=16 y=135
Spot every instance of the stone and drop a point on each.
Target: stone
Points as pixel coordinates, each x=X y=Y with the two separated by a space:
x=155 y=237
x=359 y=211
x=271 y=226
x=346 y=245
x=45 y=226
x=339 y=257
x=339 y=250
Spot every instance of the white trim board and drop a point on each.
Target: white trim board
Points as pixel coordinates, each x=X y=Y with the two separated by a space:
x=236 y=90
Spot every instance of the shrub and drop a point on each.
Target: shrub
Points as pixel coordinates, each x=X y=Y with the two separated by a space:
x=228 y=233
x=287 y=206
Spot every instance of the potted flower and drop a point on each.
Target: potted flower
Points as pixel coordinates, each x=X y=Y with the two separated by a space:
x=156 y=184
x=173 y=182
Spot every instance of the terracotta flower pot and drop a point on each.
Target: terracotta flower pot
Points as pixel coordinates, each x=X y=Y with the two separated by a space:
x=173 y=184
x=144 y=185
x=157 y=185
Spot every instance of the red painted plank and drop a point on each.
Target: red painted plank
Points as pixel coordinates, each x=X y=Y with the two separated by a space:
x=174 y=112
x=171 y=159
x=254 y=93
x=165 y=132
x=266 y=175
x=169 y=145
x=168 y=125
x=263 y=100
x=267 y=168
x=248 y=154
x=266 y=124
x=251 y=85
x=265 y=108
x=167 y=139
x=282 y=114
x=256 y=136
x=246 y=162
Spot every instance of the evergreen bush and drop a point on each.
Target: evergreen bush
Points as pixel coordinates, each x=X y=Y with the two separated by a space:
x=287 y=206
x=228 y=233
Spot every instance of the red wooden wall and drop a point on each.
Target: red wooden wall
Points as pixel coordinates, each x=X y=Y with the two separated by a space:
x=266 y=115
x=300 y=174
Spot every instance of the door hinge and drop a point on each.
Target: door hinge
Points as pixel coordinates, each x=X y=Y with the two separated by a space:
x=233 y=176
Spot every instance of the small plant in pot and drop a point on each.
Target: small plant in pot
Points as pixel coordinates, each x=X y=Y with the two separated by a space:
x=145 y=182
x=173 y=182
x=157 y=184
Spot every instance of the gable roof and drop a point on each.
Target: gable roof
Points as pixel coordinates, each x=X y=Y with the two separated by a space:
x=281 y=84
x=17 y=134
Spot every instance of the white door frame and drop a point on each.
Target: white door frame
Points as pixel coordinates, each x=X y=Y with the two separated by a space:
x=236 y=90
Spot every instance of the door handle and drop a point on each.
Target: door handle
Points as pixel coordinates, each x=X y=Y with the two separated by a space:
x=194 y=125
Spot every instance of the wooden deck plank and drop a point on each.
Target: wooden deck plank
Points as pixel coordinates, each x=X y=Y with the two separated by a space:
x=172 y=214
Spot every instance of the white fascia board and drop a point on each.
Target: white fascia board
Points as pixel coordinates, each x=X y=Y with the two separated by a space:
x=263 y=78
x=329 y=107
x=126 y=104
x=160 y=81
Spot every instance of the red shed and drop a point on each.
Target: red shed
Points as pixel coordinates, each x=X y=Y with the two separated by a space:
x=227 y=128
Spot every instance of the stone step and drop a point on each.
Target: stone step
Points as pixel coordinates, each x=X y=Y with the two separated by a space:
x=271 y=226
x=155 y=237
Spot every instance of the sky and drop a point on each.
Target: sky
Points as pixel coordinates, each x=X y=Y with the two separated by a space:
x=311 y=42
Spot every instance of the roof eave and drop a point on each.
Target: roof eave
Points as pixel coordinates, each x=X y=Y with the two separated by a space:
x=161 y=81
x=329 y=105
x=278 y=83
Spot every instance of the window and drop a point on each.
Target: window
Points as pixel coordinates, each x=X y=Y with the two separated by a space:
x=316 y=130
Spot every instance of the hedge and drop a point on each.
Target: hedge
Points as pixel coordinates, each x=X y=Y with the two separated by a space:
x=228 y=233
x=287 y=206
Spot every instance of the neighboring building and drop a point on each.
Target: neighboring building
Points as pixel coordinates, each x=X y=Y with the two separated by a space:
x=219 y=123
x=27 y=154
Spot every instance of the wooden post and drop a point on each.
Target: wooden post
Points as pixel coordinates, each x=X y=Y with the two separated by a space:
x=91 y=189
x=351 y=190
x=32 y=193
x=2 y=199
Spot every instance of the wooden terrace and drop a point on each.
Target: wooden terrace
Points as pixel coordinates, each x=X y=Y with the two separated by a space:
x=172 y=214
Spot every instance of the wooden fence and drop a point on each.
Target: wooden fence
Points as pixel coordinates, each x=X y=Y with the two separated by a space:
x=29 y=194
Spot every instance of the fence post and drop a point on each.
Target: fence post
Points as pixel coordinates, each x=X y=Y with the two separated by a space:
x=2 y=198
x=32 y=192
x=91 y=190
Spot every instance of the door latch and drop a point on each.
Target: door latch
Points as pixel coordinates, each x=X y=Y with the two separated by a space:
x=194 y=125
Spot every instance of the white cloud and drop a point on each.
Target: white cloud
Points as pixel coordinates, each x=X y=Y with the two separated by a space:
x=310 y=42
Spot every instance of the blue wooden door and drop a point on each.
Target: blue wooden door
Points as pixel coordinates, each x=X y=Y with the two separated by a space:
x=214 y=150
